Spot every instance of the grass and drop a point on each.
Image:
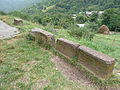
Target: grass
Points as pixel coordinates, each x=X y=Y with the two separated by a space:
x=17 y=57
x=1 y=52
x=25 y=27
x=27 y=66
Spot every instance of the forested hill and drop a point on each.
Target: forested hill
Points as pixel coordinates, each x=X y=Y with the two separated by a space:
x=59 y=12
x=11 y=5
x=74 y=6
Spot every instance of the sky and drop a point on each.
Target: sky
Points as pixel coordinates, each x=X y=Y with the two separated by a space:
x=11 y=5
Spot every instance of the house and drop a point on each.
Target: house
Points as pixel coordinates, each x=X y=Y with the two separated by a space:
x=81 y=25
x=101 y=12
x=90 y=13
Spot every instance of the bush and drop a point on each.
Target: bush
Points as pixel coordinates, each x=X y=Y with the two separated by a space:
x=81 y=19
x=2 y=13
x=83 y=32
x=21 y=15
x=94 y=17
x=111 y=18
x=49 y=27
x=93 y=26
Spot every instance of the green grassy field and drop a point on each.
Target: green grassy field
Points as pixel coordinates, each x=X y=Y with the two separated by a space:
x=25 y=64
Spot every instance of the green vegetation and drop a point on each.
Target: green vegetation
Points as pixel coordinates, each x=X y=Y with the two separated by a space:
x=111 y=18
x=26 y=27
x=59 y=12
x=56 y=16
x=108 y=44
x=42 y=68
x=20 y=14
x=83 y=32
x=2 y=13
x=81 y=19
x=27 y=66
x=76 y=6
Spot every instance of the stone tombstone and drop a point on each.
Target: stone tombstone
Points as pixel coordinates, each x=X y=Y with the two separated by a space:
x=18 y=21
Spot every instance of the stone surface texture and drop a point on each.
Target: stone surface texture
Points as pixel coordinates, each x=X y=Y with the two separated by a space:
x=67 y=48
x=43 y=36
x=7 y=31
x=100 y=64
x=18 y=21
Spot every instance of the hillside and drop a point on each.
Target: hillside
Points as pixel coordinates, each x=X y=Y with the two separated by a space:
x=75 y=6
x=60 y=12
x=42 y=46
x=11 y=5
x=26 y=65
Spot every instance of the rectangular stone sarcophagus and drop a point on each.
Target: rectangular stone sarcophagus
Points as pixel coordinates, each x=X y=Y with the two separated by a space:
x=100 y=64
x=67 y=48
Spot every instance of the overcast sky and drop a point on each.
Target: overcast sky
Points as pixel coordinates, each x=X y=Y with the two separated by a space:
x=10 y=5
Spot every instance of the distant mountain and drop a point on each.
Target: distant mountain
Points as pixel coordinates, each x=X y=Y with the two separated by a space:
x=11 y=5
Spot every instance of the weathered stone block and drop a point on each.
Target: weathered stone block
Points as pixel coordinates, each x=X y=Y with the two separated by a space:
x=100 y=64
x=18 y=21
x=43 y=36
x=67 y=48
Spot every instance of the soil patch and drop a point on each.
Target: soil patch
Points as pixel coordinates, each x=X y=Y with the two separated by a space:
x=70 y=71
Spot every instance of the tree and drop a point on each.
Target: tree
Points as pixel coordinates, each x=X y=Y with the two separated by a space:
x=111 y=18
x=2 y=13
x=94 y=17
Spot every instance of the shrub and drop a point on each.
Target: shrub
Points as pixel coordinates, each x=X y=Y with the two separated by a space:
x=94 y=17
x=93 y=26
x=49 y=27
x=83 y=32
x=21 y=15
x=111 y=18
x=81 y=19
x=2 y=13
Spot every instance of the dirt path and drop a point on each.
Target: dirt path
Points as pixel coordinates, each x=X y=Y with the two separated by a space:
x=7 y=31
x=71 y=72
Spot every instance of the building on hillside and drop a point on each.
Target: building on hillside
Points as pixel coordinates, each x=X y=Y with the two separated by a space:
x=81 y=25
x=101 y=12
x=90 y=13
